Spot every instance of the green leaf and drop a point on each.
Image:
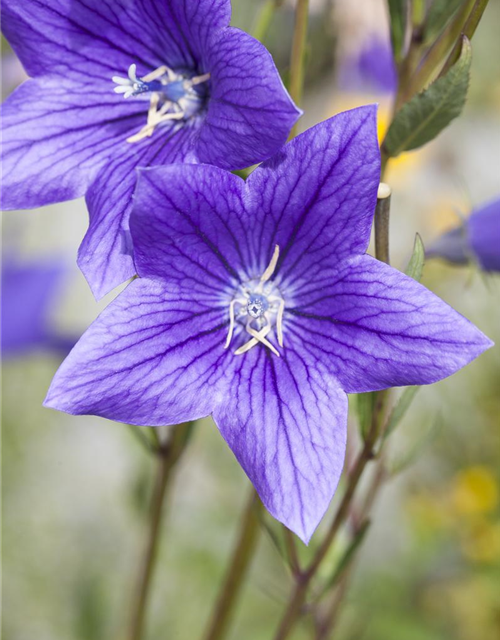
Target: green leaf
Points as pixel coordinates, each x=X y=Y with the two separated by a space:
x=347 y=557
x=398 y=412
x=416 y=265
x=398 y=11
x=416 y=449
x=440 y=12
x=275 y=538
x=428 y=113
x=365 y=403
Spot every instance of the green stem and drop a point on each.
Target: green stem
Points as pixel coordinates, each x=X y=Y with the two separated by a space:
x=299 y=593
x=167 y=456
x=435 y=56
x=235 y=576
x=266 y=14
x=468 y=30
x=291 y=550
x=330 y=620
x=382 y=212
x=297 y=57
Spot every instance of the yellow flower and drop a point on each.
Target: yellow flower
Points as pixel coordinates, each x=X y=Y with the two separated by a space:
x=474 y=491
x=482 y=542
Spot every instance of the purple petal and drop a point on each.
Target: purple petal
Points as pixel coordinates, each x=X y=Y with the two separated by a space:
x=285 y=420
x=484 y=235
x=250 y=113
x=316 y=198
x=105 y=255
x=188 y=227
x=377 y=328
x=148 y=359
x=29 y=292
x=370 y=68
x=56 y=136
x=100 y=38
x=452 y=246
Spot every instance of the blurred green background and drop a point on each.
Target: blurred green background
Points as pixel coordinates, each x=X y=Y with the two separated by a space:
x=76 y=489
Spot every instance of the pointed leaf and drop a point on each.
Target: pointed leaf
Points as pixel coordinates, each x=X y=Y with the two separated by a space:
x=416 y=265
x=347 y=557
x=408 y=458
x=398 y=10
x=398 y=412
x=428 y=113
x=365 y=403
x=440 y=13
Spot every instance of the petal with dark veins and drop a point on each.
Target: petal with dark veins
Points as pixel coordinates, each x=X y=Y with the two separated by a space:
x=316 y=197
x=56 y=136
x=105 y=255
x=188 y=227
x=148 y=359
x=285 y=420
x=102 y=38
x=376 y=328
x=250 y=113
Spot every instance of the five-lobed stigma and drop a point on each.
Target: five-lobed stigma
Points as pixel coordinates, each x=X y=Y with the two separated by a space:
x=259 y=306
x=173 y=96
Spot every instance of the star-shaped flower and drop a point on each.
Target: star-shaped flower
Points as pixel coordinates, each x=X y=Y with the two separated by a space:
x=256 y=303
x=476 y=240
x=120 y=84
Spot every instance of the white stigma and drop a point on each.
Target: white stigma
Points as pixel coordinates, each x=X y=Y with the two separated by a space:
x=128 y=86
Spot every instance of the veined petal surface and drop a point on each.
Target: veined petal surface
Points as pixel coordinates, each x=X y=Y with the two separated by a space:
x=105 y=255
x=148 y=359
x=56 y=136
x=250 y=113
x=316 y=197
x=101 y=37
x=188 y=227
x=377 y=328
x=285 y=420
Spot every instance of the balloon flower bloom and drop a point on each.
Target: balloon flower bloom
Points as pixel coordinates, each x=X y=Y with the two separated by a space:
x=257 y=304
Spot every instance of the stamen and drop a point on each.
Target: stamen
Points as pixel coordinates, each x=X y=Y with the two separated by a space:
x=256 y=306
x=258 y=336
x=279 y=322
x=231 y=324
x=148 y=129
x=272 y=265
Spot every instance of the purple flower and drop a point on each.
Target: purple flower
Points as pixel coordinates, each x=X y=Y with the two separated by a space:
x=256 y=303
x=120 y=84
x=477 y=240
x=29 y=292
x=372 y=68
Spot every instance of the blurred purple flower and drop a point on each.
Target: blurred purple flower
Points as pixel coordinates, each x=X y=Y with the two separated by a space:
x=477 y=240
x=372 y=68
x=69 y=131
x=29 y=292
x=256 y=303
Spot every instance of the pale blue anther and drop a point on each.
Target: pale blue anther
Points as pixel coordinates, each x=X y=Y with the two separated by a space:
x=257 y=305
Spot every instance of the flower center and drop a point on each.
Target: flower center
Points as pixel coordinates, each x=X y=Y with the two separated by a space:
x=258 y=305
x=174 y=96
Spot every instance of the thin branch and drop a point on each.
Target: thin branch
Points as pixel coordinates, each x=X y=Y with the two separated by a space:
x=249 y=529
x=382 y=213
x=297 y=58
x=167 y=456
x=298 y=597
